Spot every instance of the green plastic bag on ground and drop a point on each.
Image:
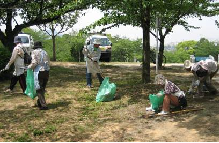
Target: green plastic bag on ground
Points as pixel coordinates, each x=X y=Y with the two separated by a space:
x=156 y=100
x=30 y=90
x=106 y=91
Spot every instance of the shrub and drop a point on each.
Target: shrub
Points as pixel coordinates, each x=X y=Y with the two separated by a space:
x=4 y=59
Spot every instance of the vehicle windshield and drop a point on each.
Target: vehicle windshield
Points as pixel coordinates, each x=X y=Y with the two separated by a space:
x=104 y=41
x=24 y=39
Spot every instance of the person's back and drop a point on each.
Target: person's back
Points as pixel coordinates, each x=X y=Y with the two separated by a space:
x=40 y=58
x=209 y=65
x=40 y=64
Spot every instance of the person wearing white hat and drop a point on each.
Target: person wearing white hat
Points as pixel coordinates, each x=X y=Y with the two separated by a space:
x=17 y=58
x=92 y=55
x=203 y=72
x=173 y=95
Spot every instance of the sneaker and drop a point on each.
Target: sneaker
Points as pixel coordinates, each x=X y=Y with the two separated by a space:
x=163 y=113
x=8 y=91
x=89 y=86
x=150 y=109
x=43 y=108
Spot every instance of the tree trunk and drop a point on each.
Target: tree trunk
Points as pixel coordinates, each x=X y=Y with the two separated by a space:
x=161 y=51
x=79 y=56
x=54 y=43
x=146 y=46
x=7 y=37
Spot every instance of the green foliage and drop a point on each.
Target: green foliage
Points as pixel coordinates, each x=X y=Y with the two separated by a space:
x=4 y=59
x=37 y=132
x=32 y=13
x=77 y=44
x=67 y=48
x=23 y=138
x=50 y=129
x=36 y=34
x=125 y=50
x=205 y=48
x=183 y=50
x=4 y=56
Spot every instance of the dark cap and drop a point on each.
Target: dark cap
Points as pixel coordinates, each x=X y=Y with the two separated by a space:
x=37 y=44
x=17 y=39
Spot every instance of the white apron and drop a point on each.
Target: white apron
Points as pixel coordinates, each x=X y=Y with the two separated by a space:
x=93 y=67
x=18 y=66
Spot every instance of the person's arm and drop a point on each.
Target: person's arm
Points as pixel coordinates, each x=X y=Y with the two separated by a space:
x=34 y=60
x=12 y=59
x=96 y=58
x=85 y=51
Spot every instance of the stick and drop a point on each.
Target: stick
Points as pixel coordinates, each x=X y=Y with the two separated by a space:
x=186 y=110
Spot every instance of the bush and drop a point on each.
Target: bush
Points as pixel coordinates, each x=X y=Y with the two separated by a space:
x=4 y=59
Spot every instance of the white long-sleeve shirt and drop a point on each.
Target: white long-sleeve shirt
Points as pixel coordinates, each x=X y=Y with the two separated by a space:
x=17 y=58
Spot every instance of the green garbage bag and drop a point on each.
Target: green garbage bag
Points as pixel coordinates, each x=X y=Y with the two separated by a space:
x=30 y=90
x=156 y=100
x=106 y=91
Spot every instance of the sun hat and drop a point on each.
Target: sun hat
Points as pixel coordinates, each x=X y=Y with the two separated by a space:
x=187 y=64
x=160 y=79
x=17 y=39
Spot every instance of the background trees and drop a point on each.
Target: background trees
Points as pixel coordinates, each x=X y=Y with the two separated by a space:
x=59 y=26
x=183 y=50
x=25 y=13
x=143 y=13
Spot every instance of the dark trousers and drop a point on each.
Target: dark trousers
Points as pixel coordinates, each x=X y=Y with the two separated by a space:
x=43 y=78
x=22 y=81
x=89 y=78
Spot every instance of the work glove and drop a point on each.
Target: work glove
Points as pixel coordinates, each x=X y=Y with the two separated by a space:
x=7 y=67
x=29 y=67
x=95 y=59
x=85 y=51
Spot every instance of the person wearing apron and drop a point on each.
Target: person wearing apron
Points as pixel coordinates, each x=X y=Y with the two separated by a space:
x=92 y=55
x=17 y=58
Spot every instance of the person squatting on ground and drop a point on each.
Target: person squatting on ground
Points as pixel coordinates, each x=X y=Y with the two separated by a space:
x=203 y=72
x=173 y=95
x=40 y=65
x=92 y=55
x=17 y=58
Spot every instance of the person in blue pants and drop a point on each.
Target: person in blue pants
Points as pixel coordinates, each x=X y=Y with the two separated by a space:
x=92 y=55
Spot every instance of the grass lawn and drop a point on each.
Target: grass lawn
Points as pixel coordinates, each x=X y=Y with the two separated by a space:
x=74 y=115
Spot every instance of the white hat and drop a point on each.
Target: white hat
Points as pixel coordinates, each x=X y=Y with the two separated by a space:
x=160 y=79
x=96 y=41
x=187 y=64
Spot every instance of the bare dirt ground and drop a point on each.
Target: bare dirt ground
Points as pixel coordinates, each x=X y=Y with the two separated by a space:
x=74 y=115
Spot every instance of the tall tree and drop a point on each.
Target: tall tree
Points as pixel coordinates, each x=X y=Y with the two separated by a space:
x=175 y=13
x=18 y=14
x=143 y=13
x=61 y=25
x=131 y=12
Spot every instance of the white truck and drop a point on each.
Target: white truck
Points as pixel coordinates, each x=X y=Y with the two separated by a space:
x=27 y=41
x=105 y=46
